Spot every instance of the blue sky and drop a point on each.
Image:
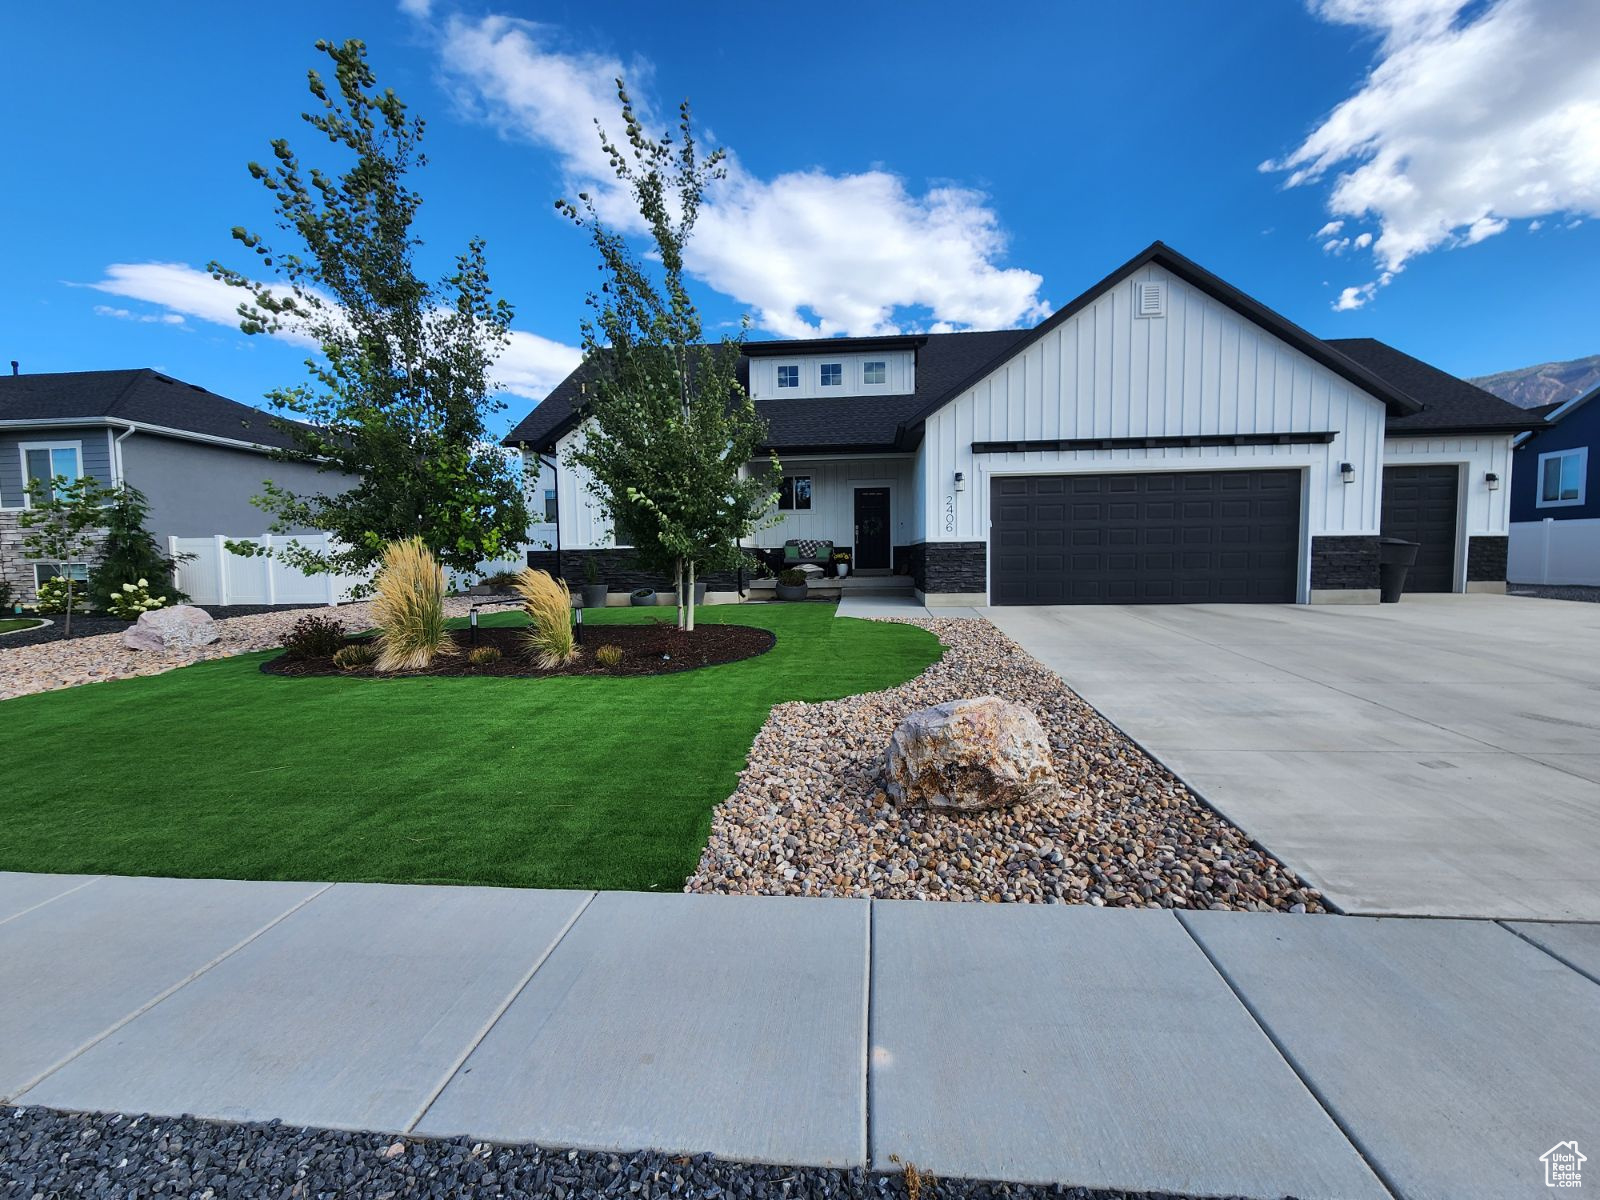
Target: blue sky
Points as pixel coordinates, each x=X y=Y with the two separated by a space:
x=966 y=168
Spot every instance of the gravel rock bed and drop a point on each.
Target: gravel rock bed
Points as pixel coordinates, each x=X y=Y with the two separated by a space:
x=1557 y=591
x=58 y=664
x=49 y=1154
x=809 y=818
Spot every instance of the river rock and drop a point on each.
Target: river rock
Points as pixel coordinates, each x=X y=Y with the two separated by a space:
x=969 y=755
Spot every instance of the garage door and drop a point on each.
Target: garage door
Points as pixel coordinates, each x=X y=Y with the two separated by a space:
x=1182 y=537
x=1419 y=504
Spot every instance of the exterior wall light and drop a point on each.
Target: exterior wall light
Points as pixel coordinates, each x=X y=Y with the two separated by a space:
x=1492 y=481
x=961 y=481
x=1347 y=472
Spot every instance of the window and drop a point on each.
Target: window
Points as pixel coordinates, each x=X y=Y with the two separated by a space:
x=43 y=571
x=1561 y=477
x=794 y=495
x=44 y=461
x=832 y=374
x=876 y=371
x=789 y=377
x=550 y=505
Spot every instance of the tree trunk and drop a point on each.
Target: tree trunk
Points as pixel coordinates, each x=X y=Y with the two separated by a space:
x=677 y=587
x=66 y=572
x=688 y=597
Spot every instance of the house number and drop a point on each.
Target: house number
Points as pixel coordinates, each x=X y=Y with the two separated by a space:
x=950 y=514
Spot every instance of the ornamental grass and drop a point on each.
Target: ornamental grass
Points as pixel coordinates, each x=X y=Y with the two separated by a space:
x=409 y=608
x=548 y=604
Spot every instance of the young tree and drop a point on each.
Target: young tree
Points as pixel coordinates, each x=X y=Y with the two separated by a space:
x=129 y=552
x=64 y=520
x=401 y=393
x=669 y=427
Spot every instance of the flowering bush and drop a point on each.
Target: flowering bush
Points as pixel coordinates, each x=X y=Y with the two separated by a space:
x=132 y=599
x=53 y=595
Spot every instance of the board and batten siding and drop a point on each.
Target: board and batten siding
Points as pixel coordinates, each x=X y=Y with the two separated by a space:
x=1484 y=512
x=900 y=375
x=94 y=440
x=832 y=514
x=1200 y=369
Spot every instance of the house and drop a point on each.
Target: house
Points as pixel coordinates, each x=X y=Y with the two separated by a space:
x=1163 y=438
x=198 y=457
x=1555 y=496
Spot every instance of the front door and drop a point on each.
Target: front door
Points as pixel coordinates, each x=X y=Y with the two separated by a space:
x=872 y=529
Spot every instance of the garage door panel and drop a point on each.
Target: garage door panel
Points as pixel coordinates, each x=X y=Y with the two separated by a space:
x=1420 y=505
x=1147 y=538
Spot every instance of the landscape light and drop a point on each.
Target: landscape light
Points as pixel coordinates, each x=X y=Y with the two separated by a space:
x=472 y=620
x=577 y=625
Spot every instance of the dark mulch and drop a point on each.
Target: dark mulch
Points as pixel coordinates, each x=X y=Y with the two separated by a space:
x=82 y=626
x=653 y=648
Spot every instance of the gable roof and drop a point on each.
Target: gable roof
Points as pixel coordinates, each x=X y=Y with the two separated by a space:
x=143 y=396
x=1448 y=404
x=1559 y=412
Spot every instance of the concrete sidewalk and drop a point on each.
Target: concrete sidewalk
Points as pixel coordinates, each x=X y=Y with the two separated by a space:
x=1201 y=1053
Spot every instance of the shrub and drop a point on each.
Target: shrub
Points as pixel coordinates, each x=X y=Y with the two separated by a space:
x=314 y=636
x=505 y=580
x=130 y=551
x=793 y=577
x=53 y=595
x=548 y=604
x=132 y=599
x=409 y=608
x=483 y=656
x=355 y=656
x=608 y=656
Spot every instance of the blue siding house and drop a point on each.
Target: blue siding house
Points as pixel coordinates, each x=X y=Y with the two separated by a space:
x=1555 y=497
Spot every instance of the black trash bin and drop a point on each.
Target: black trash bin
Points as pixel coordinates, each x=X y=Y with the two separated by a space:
x=1395 y=556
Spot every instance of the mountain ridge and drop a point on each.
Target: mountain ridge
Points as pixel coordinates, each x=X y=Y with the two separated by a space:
x=1544 y=383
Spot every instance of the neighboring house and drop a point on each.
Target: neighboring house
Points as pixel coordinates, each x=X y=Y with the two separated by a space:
x=1555 y=496
x=1163 y=438
x=198 y=457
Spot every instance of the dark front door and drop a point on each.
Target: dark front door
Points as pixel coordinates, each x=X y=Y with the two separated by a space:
x=1177 y=537
x=1419 y=504
x=872 y=529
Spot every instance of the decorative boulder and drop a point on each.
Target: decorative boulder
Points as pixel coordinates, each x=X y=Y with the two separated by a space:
x=967 y=755
x=180 y=628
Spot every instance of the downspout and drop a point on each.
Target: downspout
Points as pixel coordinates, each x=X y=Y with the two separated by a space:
x=116 y=450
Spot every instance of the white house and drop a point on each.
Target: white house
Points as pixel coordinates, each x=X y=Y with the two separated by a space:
x=1163 y=438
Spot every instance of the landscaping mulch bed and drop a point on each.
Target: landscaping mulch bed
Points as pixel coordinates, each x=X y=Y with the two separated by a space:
x=809 y=817
x=653 y=648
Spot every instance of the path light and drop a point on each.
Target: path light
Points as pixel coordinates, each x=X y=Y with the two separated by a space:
x=1347 y=472
x=472 y=620
x=1493 y=481
x=577 y=625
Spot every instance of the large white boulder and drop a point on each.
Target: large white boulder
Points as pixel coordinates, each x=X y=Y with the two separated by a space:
x=179 y=628
x=967 y=755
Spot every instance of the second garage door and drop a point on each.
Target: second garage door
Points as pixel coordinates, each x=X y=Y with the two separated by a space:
x=1181 y=537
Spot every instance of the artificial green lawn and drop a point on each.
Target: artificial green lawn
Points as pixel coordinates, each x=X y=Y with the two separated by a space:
x=12 y=624
x=218 y=770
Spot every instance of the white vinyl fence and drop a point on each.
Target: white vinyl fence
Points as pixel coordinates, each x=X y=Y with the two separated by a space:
x=1551 y=551
x=216 y=576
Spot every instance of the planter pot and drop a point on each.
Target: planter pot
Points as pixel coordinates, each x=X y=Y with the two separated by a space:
x=1395 y=558
x=643 y=599
x=699 y=593
x=594 y=595
x=842 y=568
x=785 y=592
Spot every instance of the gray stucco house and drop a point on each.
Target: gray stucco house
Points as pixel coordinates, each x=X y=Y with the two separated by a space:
x=198 y=457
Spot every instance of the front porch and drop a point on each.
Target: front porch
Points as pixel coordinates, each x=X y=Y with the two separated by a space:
x=831 y=587
x=863 y=504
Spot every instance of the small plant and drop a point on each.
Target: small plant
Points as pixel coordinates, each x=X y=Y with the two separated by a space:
x=484 y=656
x=503 y=580
x=133 y=599
x=793 y=577
x=591 y=573
x=841 y=556
x=53 y=595
x=548 y=604
x=8 y=596
x=409 y=608
x=314 y=636
x=608 y=656
x=355 y=656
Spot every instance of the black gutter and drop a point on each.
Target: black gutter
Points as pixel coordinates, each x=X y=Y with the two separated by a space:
x=1321 y=438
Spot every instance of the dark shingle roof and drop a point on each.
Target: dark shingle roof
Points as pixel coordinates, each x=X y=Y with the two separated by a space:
x=141 y=395
x=1448 y=404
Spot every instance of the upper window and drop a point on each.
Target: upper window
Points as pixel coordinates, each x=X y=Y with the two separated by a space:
x=789 y=377
x=794 y=494
x=875 y=371
x=1561 y=477
x=550 y=505
x=45 y=462
x=832 y=374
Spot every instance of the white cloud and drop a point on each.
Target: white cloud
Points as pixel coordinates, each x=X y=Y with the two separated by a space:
x=123 y=314
x=1475 y=115
x=421 y=9
x=811 y=252
x=1328 y=230
x=530 y=366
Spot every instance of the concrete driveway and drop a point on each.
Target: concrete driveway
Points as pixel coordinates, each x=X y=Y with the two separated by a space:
x=1438 y=757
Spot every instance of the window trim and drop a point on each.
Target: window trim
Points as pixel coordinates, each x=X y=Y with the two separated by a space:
x=56 y=567
x=867 y=364
x=1582 y=455
x=76 y=446
x=551 y=500
x=822 y=374
x=781 y=368
x=811 y=494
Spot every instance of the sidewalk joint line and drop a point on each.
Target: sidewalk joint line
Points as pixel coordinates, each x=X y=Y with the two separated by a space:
x=1543 y=949
x=494 y=1018
x=866 y=1064
x=1288 y=1058
x=51 y=899
x=151 y=1003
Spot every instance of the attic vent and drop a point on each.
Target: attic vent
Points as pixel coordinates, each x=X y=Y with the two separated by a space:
x=1149 y=299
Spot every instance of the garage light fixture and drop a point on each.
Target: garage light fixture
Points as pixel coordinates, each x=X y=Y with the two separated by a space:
x=961 y=482
x=1492 y=481
x=1347 y=472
